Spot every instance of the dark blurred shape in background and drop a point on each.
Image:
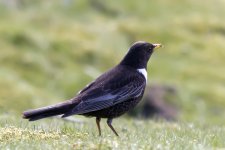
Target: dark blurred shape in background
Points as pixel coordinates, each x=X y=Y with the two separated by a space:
x=157 y=103
x=103 y=8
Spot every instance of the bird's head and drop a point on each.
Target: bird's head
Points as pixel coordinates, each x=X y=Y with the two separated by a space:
x=139 y=54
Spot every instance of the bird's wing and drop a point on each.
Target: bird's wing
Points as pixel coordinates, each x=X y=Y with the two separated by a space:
x=86 y=88
x=103 y=97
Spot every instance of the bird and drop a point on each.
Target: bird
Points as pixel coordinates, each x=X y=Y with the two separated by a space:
x=110 y=95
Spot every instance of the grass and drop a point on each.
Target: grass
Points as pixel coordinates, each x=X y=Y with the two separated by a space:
x=134 y=134
x=50 y=50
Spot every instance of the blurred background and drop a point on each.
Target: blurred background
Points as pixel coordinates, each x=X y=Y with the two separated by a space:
x=49 y=50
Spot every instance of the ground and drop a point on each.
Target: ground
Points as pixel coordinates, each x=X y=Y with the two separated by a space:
x=134 y=134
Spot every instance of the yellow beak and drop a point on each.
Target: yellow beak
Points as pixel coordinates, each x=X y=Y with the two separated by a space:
x=157 y=45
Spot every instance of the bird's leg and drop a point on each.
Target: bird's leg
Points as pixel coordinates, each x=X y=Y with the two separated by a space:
x=98 y=125
x=109 y=122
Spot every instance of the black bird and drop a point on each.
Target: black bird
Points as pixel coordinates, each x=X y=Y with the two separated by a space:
x=110 y=95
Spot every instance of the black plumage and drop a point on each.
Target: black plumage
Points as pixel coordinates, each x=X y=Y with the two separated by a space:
x=110 y=95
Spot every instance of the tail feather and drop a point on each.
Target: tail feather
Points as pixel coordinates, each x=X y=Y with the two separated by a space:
x=49 y=111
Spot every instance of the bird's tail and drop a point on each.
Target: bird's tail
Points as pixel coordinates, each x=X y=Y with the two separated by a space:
x=49 y=111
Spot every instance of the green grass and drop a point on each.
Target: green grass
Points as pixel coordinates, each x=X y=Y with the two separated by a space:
x=134 y=134
x=49 y=51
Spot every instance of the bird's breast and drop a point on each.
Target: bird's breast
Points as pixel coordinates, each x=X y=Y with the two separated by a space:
x=143 y=72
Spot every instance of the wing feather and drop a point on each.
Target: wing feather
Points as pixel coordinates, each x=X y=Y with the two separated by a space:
x=100 y=99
